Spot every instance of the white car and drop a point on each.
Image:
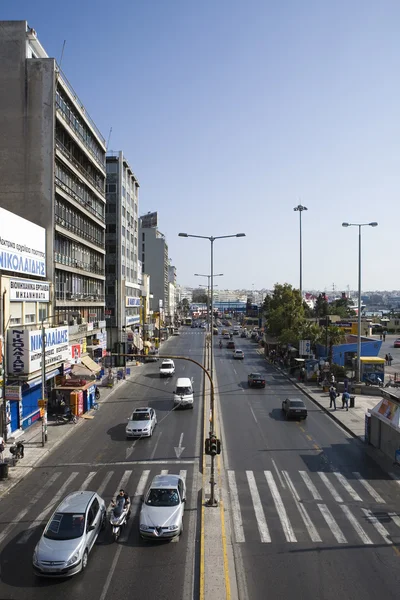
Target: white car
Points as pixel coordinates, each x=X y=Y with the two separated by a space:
x=238 y=354
x=167 y=368
x=161 y=516
x=141 y=423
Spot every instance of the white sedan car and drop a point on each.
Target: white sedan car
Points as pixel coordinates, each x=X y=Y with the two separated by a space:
x=141 y=423
x=167 y=368
x=161 y=516
x=238 y=354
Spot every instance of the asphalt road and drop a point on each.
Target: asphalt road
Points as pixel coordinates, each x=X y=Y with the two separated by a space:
x=312 y=515
x=98 y=456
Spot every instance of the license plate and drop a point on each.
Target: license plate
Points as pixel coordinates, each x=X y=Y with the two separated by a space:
x=298 y=410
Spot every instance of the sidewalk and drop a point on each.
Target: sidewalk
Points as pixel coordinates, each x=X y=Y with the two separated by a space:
x=56 y=434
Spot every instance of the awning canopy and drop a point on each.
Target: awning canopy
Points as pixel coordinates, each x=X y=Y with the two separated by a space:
x=90 y=364
x=82 y=371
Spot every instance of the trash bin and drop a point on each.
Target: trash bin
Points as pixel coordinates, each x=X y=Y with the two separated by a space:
x=3 y=470
x=352 y=400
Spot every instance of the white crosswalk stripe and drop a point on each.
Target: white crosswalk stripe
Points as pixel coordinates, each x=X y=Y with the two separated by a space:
x=104 y=483
x=333 y=526
x=369 y=488
x=360 y=531
x=313 y=533
x=307 y=480
x=280 y=508
x=236 y=514
x=348 y=487
x=330 y=487
x=258 y=509
x=56 y=498
x=88 y=480
x=395 y=518
x=378 y=526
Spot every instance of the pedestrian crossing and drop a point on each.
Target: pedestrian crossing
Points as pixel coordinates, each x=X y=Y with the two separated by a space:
x=106 y=483
x=303 y=507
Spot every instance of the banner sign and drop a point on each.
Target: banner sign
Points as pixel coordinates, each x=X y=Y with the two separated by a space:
x=29 y=291
x=22 y=245
x=132 y=301
x=25 y=349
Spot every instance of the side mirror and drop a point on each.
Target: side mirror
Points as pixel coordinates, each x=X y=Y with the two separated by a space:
x=91 y=528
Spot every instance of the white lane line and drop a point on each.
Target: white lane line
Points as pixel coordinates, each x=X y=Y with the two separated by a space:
x=333 y=526
x=254 y=416
x=155 y=446
x=164 y=472
x=378 y=526
x=359 y=530
x=182 y=475
x=330 y=487
x=348 y=487
x=313 y=533
x=56 y=498
x=278 y=473
x=258 y=509
x=369 y=488
x=280 y=507
x=122 y=485
x=87 y=481
x=236 y=514
x=104 y=483
x=307 y=480
x=24 y=511
x=135 y=503
x=395 y=518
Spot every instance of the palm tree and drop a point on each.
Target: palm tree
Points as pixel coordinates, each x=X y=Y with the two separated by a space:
x=336 y=336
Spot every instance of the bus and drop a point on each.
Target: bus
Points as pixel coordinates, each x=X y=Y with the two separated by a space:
x=187 y=321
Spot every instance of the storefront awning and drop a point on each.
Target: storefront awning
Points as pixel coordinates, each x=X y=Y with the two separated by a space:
x=27 y=385
x=90 y=364
x=82 y=371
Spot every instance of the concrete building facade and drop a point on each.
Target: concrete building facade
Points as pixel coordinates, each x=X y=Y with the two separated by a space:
x=154 y=257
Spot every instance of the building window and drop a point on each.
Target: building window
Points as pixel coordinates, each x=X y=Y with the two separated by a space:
x=123 y=270
x=143 y=236
x=123 y=230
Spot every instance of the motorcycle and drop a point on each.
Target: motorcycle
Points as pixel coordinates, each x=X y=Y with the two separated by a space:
x=118 y=518
x=374 y=381
x=67 y=417
x=97 y=394
x=17 y=450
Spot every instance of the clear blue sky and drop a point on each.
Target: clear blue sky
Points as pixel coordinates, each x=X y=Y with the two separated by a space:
x=230 y=112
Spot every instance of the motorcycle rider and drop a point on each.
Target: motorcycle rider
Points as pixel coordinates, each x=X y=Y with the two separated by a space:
x=123 y=498
x=220 y=343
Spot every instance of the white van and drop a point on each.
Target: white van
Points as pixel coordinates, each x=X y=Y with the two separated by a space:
x=183 y=394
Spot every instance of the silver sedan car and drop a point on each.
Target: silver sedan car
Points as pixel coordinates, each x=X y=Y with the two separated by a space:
x=141 y=423
x=161 y=516
x=70 y=535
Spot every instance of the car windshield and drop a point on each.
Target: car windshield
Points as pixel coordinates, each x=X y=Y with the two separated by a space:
x=65 y=526
x=182 y=391
x=162 y=497
x=166 y=365
x=255 y=375
x=297 y=403
x=141 y=417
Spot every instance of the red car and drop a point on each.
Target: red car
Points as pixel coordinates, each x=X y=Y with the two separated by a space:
x=230 y=345
x=396 y=343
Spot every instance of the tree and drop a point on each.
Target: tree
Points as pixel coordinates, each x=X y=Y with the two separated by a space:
x=184 y=306
x=199 y=296
x=335 y=336
x=321 y=306
x=284 y=311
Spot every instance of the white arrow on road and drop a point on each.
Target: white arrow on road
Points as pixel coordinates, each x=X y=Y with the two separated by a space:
x=130 y=450
x=179 y=449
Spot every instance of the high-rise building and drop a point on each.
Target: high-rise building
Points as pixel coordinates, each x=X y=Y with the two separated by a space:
x=154 y=256
x=123 y=289
x=52 y=172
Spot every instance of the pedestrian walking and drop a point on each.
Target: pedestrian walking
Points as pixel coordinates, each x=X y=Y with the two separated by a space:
x=384 y=335
x=380 y=336
x=332 y=396
x=386 y=359
x=345 y=400
x=2 y=447
x=390 y=358
x=332 y=379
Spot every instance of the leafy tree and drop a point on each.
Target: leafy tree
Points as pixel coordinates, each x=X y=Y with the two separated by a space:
x=335 y=336
x=321 y=306
x=284 y=310
x=199 y=296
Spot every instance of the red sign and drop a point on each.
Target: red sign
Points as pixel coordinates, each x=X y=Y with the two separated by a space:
x=76 y=354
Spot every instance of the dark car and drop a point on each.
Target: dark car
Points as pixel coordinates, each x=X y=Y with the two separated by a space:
x=294 y=408
x=256 y=380
x=230 y=345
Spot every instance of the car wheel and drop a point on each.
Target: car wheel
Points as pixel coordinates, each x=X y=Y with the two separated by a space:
x=84 y=560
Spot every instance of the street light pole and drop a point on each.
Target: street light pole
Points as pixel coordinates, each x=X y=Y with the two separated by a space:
x=209 y=321
x=212 y=501
x=359 y=225
x=299 y=208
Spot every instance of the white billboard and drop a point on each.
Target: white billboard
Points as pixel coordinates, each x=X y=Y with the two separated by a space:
x=25 y=349
x=28 y=290
x=22 y=245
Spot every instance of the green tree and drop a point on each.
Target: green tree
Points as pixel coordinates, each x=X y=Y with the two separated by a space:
x=199 y=296
x=335 y=336
x=321 y=306
x=284 y=311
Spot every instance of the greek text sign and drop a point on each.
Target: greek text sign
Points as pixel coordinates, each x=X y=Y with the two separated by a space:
x=29 y=290
x=22 y=245
x=132 y=301
x=25 y=349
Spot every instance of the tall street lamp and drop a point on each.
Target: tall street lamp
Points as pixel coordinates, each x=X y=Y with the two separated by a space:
x=211 y=238
x=299 y=208
x=359 y=225
x=208 y=293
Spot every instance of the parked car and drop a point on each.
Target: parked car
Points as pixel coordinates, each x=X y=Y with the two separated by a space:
x=161 y=515
x=69 y=536
x=230 y=345
x=227 y=336
x=141 y=423
x=396 y=343
x=294 y=408
x=238 y=354
x=256 y=380
x=167 y=368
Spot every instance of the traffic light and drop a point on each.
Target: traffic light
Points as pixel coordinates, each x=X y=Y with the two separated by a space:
x=212 y=446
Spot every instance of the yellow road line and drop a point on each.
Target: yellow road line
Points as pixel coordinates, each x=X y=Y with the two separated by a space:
x=309 y=437
x=201 y=582
x=316 y=447
x=223 y=536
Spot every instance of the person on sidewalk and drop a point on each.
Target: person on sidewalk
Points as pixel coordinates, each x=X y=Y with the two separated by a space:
x=345 y=400
x=390 y=358
x=2 y=448
x=386 y=359
x=332 y=397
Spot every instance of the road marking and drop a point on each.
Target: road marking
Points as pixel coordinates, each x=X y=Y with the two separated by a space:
x=286 y=526
x=155 y=446
x=31 y=502
x=313 y=533
x=369 y=488
x=236 y=514
x=254 y=416
x=395 y=477
x=179 y=449
x=56 y=498
x=378 y=526
x=333 y=526
x=314 y=492
x=395 y=518
x=125 y=463
x=330 y=487
x=135 y=503
x=104 y=483
x=360 y=531
x=87 y=481
x=258 y=509
x=164 y=472
x=308 y=437
x=278 y=473
x=348 y=487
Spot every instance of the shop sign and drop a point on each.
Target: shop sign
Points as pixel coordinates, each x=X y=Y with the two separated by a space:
x=132 y=301
x=102 y=324
x=132 y=319
x=13 y=392
x=90 y=327
x=25 y=349
x=75 y=353
x=22 y=245
x=28 y=290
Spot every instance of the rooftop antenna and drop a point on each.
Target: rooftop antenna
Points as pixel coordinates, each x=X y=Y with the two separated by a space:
x=108 y=141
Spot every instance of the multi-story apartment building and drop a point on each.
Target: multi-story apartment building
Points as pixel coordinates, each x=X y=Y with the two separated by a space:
x=154 y=257
x=123 y=289
x=53 y=172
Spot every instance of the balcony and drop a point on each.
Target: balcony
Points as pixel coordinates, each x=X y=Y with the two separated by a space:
x=78 y=232
x=68 y=297
x=66 y=261
x=98 y=184
x=82 y=201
